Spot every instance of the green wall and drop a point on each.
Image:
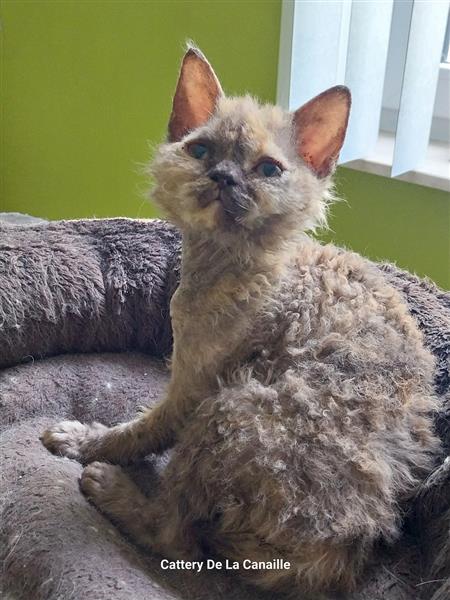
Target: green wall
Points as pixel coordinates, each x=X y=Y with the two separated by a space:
x=392 y=220
x=87 y=85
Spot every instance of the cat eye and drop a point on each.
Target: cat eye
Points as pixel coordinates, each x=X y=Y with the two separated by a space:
x=269 y=168
x=197 y=150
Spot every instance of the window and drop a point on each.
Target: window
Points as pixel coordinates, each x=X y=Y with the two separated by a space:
x=440 y=124
x=389 y=53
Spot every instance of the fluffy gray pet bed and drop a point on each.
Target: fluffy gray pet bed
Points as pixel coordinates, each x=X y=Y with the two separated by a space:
x=84 y=329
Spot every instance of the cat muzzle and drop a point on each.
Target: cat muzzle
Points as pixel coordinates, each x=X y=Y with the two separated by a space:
x=230 y=198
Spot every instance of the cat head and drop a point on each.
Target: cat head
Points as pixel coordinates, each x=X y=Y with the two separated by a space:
x=238 y=170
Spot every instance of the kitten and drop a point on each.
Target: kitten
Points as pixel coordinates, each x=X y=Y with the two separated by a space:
x=300 y=392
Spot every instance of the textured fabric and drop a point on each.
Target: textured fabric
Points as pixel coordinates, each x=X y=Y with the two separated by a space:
x=83 y=286
x=104 y=286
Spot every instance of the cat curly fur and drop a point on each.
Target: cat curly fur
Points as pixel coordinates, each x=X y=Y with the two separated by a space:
x=301 y=394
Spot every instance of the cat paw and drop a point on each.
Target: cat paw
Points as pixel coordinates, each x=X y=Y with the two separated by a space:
x=103 y=484
x=71 y=438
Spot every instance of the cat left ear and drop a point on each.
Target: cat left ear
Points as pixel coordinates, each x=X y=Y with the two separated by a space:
x=196 y=96
x=320 y=127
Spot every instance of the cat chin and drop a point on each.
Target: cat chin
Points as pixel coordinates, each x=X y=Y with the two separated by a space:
x=232 y=227
x=202 y=218
x=226 y=227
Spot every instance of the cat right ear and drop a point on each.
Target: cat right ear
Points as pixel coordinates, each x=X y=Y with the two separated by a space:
x=320 y=126
x=196 y=96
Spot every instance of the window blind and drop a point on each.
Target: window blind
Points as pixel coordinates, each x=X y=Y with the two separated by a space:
x=325 y=43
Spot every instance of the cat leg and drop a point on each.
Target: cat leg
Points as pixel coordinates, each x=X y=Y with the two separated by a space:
x=150 y=522
x=152 y=432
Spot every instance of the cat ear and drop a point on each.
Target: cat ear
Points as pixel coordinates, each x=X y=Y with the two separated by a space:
x=196 y=96
x=320 y=127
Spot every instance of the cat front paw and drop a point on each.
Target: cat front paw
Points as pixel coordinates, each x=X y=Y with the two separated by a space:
x=72 y=439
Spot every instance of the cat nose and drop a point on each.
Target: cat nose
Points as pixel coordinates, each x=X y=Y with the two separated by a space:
x=223 y=176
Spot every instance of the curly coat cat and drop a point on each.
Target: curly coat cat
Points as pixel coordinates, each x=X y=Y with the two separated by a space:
x=301 y=393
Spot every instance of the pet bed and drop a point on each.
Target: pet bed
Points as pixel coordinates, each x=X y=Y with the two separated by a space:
x=84 y=329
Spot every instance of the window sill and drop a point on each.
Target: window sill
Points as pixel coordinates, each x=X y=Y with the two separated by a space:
x=433 y=172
